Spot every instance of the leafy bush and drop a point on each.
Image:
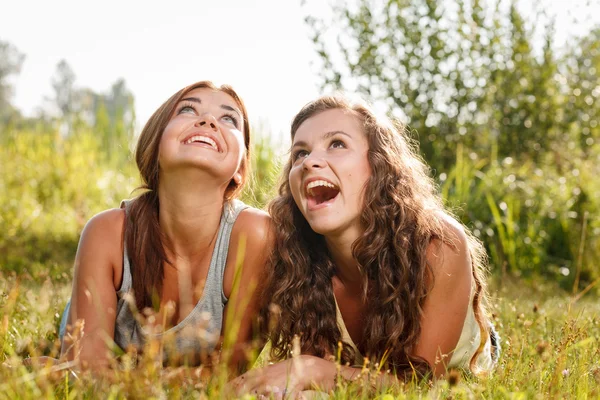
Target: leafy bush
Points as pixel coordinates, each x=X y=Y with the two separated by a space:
x=50 y=187
x=530 y=215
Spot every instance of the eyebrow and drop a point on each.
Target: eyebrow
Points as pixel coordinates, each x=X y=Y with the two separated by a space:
x=326 y=135
x=223 y=106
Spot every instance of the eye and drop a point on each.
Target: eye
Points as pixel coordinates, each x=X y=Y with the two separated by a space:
x=186 y=109
x=230 y=119
x=299 y=154
x=337 y=144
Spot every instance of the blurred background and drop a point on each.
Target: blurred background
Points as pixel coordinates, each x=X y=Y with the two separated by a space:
x=502 y=96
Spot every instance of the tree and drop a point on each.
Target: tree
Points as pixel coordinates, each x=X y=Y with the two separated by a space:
x=11 y=61
x=120 y=107
x=457 y=72
x=63 y=84
x=582 y=110
x=111 y=115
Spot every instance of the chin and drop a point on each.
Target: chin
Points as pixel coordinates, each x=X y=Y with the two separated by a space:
x=336 y=228
x=217 y=167
x=324 y=228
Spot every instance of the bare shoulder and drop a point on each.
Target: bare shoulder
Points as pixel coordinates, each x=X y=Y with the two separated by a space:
x=255 y=225
x=100 y=247
x=106 y=226
x=107 y=219
x=253 y=235
x=450 y=254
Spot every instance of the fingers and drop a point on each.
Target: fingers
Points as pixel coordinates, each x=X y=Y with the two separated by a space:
x=248 y=382
x=278 y=381
x=271 y=392
x=261 y=385
x=274 y=392
x=280 y=387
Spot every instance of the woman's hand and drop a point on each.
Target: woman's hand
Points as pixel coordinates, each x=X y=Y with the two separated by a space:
x=286 y=379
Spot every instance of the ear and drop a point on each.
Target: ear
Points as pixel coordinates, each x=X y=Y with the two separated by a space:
x=237 y=178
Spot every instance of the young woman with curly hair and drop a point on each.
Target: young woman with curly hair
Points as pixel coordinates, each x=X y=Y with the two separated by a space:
x=367 y=255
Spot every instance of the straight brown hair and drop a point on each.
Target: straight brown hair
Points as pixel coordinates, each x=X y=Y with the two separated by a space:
x=143 y=236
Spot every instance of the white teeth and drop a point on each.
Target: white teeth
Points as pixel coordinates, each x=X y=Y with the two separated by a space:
x=319 y=183
x=314 y=184
x=202 y=139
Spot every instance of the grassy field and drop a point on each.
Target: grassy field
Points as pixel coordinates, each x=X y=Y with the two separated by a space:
x=550 y=349
x=536 y=224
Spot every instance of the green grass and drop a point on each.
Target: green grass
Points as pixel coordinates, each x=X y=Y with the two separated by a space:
x=540 y=223
x=550 y=349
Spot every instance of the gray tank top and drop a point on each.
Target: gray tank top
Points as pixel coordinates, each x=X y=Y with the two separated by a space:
x=195 y=336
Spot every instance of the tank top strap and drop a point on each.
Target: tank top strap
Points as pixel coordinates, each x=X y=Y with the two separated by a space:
x=346 y=338
x=231 y=210
x=126 y=281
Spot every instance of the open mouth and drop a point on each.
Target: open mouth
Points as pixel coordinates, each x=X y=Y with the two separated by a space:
x=321 y=193
x=204 y=141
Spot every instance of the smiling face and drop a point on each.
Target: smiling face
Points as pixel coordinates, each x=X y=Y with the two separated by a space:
x=205 y=131
x=329 y=172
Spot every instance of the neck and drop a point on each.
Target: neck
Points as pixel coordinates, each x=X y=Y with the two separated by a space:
x=346 y=266
x=189 y=214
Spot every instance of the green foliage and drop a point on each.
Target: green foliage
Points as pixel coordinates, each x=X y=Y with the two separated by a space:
x=59 y=172
x=464 y=72
x=10 y=64
x=49 y=189
x=529 y=215
x=509 y=125
x=264 y=172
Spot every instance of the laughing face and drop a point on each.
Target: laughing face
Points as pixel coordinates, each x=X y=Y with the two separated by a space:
x=329 y=172
x=205 y=131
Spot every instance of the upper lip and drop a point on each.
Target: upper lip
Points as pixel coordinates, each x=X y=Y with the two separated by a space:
x=205 y=134
x=317 y=178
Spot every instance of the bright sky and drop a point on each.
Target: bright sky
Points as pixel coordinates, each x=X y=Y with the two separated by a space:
x=260 y=47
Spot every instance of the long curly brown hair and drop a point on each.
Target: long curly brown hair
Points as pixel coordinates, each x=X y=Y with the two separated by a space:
x=402 y=215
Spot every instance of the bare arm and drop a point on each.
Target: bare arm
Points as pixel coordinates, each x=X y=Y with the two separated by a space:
x=251 y=245
x=446 y=305
x=97 y=273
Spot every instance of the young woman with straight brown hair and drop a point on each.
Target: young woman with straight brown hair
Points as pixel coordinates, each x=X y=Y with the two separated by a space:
x=174 y=248
x=367 y=256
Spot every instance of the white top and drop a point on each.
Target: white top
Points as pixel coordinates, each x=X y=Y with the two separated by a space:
x=467 y=345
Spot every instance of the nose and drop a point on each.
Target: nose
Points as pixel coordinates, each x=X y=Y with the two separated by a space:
x=206 y=120
x=314 y=161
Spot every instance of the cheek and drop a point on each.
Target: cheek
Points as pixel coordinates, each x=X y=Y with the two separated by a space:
x=360 y=176
x=240 y=144
x=362 y=189
x=169 y=135
x=173 y=127
x=163 y=147
x=294 y=182
x=363 y=174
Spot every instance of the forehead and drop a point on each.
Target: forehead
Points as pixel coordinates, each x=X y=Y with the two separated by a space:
x=210 y=96
x=329 y=121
